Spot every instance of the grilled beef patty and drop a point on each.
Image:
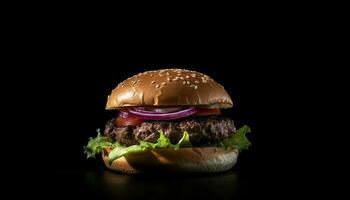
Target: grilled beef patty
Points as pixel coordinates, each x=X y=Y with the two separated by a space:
x=202 y=130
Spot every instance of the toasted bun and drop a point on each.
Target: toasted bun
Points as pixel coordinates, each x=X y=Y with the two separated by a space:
x=205 y=159
x=169 y=87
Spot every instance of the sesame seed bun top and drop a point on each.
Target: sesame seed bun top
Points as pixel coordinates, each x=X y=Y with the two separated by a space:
x=169 y=87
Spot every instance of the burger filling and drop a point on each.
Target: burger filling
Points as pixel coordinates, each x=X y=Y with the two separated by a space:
x=139 y=129
x=201 y=130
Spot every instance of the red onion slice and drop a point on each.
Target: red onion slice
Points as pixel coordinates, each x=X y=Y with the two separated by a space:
x=163 y=116
x=123 y=114
x=158 y=110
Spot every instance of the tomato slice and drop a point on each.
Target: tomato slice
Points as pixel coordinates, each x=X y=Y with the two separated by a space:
x=205 y=112
x=129 y=121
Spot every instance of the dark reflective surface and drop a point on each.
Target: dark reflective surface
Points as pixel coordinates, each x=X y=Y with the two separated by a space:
x=173 y=186
x=111 y=185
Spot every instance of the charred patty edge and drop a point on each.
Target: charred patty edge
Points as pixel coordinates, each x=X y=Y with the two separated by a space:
x=202 y=130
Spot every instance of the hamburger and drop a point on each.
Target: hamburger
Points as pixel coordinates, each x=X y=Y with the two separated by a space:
x=169 y=120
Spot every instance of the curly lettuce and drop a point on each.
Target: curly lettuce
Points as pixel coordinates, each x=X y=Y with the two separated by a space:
x=162 y=142
x=237 y=140
x=96 y=145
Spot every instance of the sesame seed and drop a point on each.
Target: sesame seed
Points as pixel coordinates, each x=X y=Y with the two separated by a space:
x=175 y=79
x=193 y=75
x=196 y=81
x=153 y=82
x=168 y=79
x=187 y=82
x=182 y=78
x=187 y=76
x=167 y=73
x=195 y=87
x=161 y=75
x=157 y=86
x=192 y=85
x=204 y=81
x=184 y=82
x=164 y=83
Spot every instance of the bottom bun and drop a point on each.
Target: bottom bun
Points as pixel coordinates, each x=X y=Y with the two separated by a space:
x=200 y=159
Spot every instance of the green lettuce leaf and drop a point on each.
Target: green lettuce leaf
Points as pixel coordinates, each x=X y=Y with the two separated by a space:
x=238 y=140
x=162 y=142
x=95 y=145
x=122 y=151
x=184 y=141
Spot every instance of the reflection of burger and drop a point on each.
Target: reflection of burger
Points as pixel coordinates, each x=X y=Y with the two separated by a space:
x=169 y=120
